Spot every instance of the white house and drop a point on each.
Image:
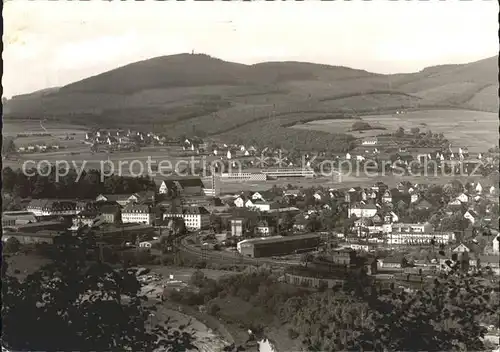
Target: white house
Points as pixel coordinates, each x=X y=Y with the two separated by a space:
x=464 y=198
x=195 y=218
x=139 y=214
x=414 y=198
x=415 y=238
x=317 y=195
x=461 y=248
x=239 y=202
x=348 y=156
x=493 y=190
x=249 y=204
x=412 y=228
x=261 y=205
x=496 y=244
x=264 y=229
x=362 y=210
x=229 y=154
x=471 y=215
x=257 y=196
x=479 y=188
x=370 y=141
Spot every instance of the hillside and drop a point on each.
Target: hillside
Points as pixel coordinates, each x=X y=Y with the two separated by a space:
x=185 y=93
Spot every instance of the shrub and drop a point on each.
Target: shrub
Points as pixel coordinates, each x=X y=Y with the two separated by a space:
x=12 y=245
x=292 y=334
x=360 y=126
x=197 y=278
x=213 y=309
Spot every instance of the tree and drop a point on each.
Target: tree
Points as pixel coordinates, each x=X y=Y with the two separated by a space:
x=12 y=245
x=400 y=132
x=306 y=258
x=360 y=126
x=8 y=179
x=197 y=278
x=415 y=131
x=8 y=146
x=213 y=308
x=72 y=304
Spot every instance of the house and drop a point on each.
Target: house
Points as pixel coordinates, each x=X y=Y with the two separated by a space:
x=15 y=218
x=471 y=215
x=419 y=238
x=240 y=202
x=138 y=213
x=300 y=222
x=142 y=197
x=391 y=218
x=461 y=248
x=493 y=190
x=263 y=206
x=110 y=213
x=390 y=263
x=318 y=195
x=50 y=207
x=183 y=185
x=249 y=203
x=413 y=228
x=479 y=188
x=363 y=246
x=264 y=196
x=496 y=244
x=264 y=229
x=86 y=218
x=237 y=227
x=362 y=210
x=195 y=217
x=121 y=199
x=404 y=186
x=463 y=198
x=296 y=193
x=342 y=256
x=369 y=141
x=414 y=198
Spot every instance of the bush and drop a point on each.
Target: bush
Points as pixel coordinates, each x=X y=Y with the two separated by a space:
x=360 y=126
x=12 y=245
x=292 y=334
x=197 y=278
x=213 y=309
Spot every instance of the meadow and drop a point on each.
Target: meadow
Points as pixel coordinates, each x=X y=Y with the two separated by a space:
x=476 y=130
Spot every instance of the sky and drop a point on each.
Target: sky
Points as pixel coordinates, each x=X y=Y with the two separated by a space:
x=54 y=43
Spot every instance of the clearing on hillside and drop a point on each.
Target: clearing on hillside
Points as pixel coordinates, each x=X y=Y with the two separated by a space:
x=476 y=130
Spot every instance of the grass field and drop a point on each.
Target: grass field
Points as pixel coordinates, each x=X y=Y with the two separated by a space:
x=476 y=130
x=184 y=274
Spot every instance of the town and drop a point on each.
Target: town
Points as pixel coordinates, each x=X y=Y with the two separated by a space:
x=215 y=177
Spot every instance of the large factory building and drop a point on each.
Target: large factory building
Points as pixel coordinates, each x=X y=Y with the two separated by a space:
x=278 y=245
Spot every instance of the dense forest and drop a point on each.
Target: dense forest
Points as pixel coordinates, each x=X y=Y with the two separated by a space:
x=89 y=184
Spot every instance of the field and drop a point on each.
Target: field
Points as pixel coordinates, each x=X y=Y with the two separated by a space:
x=58 y=134
x=22 y=265
x=476 y=130
x=184 y=274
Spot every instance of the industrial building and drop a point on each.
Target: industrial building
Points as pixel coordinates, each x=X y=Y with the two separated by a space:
x=243 y=176
x=278 y=245
x=289 y=172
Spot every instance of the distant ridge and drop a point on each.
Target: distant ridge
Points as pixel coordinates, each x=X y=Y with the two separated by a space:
x=191 y=86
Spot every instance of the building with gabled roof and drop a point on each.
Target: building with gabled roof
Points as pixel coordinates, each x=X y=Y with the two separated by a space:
x=195 y=217
x=138 y=213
